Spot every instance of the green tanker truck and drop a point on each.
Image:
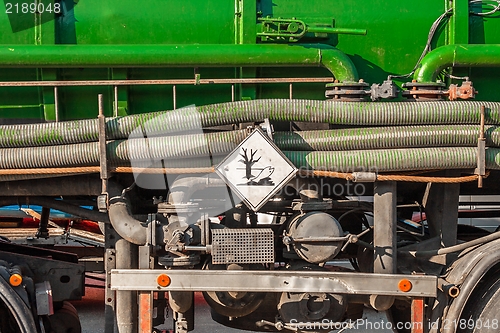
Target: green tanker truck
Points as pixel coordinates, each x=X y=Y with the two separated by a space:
x=299 y=163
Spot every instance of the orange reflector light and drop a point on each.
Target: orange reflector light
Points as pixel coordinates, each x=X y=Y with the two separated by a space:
x=163 y=280
x=15 y=280
x=405 y=285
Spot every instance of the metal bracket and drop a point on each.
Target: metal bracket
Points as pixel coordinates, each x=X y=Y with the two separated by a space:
x=481 y=152
x=168 y=208
x=268 y=128
x=292 y=30
x=205 y=230
x=387 y=90
x=103 y=158
x=44 y=305
x=326 y=204
x=464 y=91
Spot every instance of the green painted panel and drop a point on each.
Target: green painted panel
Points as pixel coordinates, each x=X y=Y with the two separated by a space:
x=154 y=22
x=396 y=35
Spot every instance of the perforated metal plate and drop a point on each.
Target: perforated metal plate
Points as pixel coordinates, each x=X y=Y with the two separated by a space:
x=242 y=246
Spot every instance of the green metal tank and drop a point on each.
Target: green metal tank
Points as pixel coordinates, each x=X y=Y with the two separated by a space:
x=347 y=40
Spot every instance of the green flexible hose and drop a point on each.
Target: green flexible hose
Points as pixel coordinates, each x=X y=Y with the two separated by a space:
x=394 y=159
x=175 y=151
x=123 y=152
x=169 y=122
x=387 y=137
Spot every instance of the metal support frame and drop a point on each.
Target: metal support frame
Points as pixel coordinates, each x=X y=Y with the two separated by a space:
x=109 y=264
x=126 y=301
x=102 y=146
x=417 y=315
x=273 y=281
x=43 y=230
x=441 y=209
x=145 y=298
x=458 y=28
x=481 y=151
x=384 y=237
x=51 y=265
x=56 y=103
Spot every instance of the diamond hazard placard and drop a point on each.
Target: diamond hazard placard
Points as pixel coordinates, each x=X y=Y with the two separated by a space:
x=256 y=170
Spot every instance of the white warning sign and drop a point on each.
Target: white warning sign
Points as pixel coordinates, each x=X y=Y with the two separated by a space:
x=256 y=170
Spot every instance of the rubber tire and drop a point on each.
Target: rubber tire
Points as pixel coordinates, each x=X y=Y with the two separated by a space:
x=65 y=320
x=483 y=307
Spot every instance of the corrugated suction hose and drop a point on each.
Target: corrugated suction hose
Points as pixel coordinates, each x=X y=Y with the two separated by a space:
x=169 y=122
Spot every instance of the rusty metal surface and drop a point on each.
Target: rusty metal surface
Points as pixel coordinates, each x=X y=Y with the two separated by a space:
x=464 y=91
x=417 y=315
x=145 y=310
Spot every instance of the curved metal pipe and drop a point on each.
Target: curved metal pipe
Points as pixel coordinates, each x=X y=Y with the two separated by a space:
x=133 y=230
x=129 y=228
x=466 y=55
x=208 y=55
x=308 y=188
x=183 y=187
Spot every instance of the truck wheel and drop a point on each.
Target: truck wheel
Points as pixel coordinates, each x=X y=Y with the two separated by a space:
x=65 y=320
x=481 y=312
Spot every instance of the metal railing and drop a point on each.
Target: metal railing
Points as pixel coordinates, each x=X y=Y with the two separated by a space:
x=173 y=82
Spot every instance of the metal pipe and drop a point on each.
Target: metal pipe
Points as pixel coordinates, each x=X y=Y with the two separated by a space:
x=384 y=237
x=240 y=55
x=308 y=188
x=327 y=30
x=469 y=55
x=457 y=248
x=116 y=83
x=183 y=187
x=432 y=158
x=121 y=219
x=126 y=301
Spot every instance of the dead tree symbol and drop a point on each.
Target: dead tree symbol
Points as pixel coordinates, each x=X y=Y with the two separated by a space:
x=249 y=161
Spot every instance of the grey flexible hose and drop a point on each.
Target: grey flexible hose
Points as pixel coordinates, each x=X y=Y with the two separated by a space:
x=348 y=149
x=122 y=152
x=166 y=122
x=394 y=159
x=340 y=113
x=387 y=137
x=342 y=161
